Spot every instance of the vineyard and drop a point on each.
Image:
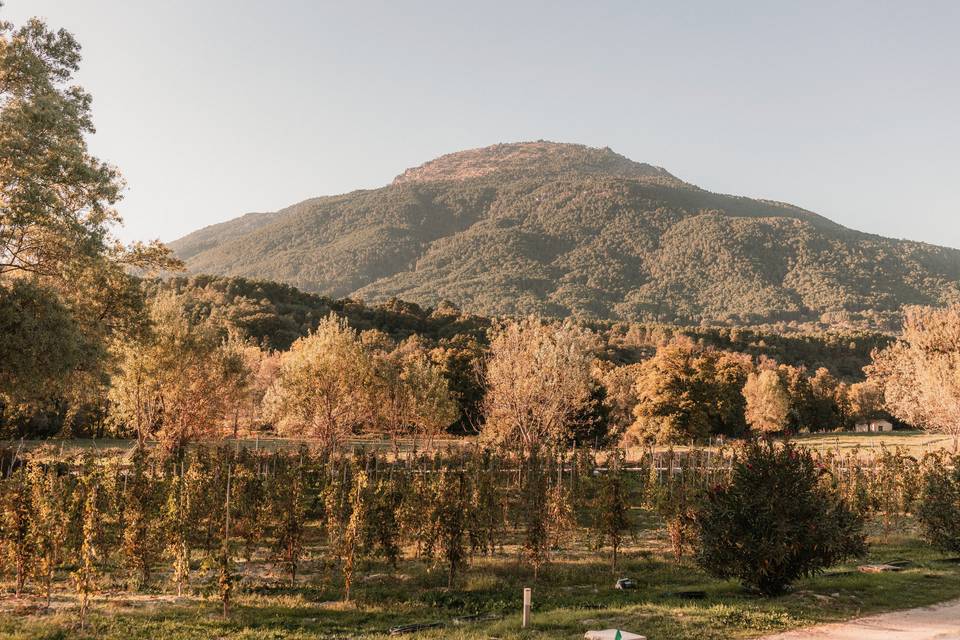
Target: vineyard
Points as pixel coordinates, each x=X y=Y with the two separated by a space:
x=462 y=529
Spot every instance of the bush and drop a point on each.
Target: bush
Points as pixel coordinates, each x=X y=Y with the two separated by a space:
x=777 y=519
x=939 y=510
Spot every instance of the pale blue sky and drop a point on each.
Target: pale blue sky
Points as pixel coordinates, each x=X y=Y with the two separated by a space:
x=212 y=108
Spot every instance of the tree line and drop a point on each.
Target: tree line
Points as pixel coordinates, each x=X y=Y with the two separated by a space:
x=186 y=375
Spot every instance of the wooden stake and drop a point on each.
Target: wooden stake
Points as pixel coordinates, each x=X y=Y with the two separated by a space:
x=527 y=593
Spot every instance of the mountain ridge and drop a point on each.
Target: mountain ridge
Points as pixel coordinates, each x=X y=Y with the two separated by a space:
x=560 y=229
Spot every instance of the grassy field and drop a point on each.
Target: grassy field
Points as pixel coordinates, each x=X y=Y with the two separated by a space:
x=573 y=594
x=916 y=442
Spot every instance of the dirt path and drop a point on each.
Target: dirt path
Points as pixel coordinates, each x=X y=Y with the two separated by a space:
x=939 y=622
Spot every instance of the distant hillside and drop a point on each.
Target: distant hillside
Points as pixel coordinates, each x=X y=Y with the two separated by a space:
x=560 y=229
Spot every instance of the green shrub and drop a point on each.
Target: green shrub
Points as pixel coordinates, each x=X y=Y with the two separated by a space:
x=779 y=518
x=939 y=510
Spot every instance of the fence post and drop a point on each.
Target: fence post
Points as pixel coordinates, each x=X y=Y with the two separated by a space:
x=526 y=606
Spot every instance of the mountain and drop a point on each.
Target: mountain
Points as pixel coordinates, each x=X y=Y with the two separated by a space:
x=563 y=229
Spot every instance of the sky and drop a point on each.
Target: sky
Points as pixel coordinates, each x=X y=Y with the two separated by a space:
x=214 y=108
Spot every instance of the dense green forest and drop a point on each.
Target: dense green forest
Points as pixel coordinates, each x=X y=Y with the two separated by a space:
x=566 y=230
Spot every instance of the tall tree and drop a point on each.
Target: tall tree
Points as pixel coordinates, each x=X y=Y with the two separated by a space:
x=58 y=201
x=538 y=379
x=920 y=373
x=687 y=391
x=409 y=394
x=57 y=207
x=173 y=383
x=321 y=386
x=768 y=406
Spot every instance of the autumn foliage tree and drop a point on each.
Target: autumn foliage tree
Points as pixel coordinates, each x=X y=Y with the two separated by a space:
x=611 y=519
x=48 y=520
x=687 y=391
x=919 y=374
x=59 y=257
x=287 y=491
x=15 y=513
x=175 y=382
x=141 y=544
x=768 y=406
x=538 y=379
x=939 y=511
x=321 y=386
x=408 y=394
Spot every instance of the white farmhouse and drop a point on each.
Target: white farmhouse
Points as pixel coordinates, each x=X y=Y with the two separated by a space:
x=873 y=426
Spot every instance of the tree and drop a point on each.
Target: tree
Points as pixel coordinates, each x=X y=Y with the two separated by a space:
x=611 y=511
x=241 y=363
x=90 y=532
x=768 y=406
x=827 y=395
x=459 y=359
x=796 y=382
x=538 y=378
x=289 y=513
x=17 y=542
x=352 y=535
x=939 y=511
x=141 y=539
x=58 y=201
x=48 y=520
x=486 y=511
x=621 y=397
x=174 y=382
x=775 y=521
x=42 y=348
x=919 y=374
x=561 y=516
x=225 y=577
x=177 y=523
x=321 y=386
x=534 y=513
x=57 y=210
x=409 y=393
x=687 y=391
x=448 y=520
x=866 y=400
x=383 y=524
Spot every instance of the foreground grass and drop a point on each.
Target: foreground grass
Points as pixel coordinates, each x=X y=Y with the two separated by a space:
x=573 y=594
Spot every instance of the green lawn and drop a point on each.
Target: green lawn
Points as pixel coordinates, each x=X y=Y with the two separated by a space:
x=572 y=595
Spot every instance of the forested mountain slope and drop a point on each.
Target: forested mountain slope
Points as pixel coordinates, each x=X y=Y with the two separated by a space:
x=560 y=229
